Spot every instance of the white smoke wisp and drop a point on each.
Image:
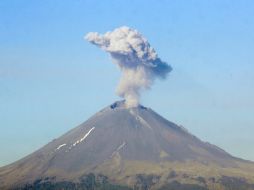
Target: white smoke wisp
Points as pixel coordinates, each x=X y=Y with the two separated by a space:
x=138 y=61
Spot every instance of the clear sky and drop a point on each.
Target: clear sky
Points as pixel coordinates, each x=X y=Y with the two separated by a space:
x=51 y=79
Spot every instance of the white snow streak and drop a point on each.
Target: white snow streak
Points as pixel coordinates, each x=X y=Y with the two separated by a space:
x=118 y=149
x=144 y=122
x=84 y=137
x=121 y=146
x=60 y=146
x=140 y=119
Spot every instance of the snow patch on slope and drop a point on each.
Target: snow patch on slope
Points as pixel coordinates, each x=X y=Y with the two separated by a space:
x=83 y=138
x=60 y=146
x=140 y=119
x=118 y=149
x=121 y=146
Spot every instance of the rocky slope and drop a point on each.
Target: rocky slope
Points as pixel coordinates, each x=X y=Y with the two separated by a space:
x=134 y=148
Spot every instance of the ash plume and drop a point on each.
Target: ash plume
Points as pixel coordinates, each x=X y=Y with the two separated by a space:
x=138 y=61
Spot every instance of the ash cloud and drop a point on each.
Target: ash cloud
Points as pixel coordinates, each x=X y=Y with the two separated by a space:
x=138 y=61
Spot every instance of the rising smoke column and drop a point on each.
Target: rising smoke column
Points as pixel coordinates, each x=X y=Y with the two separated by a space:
x=138 y=61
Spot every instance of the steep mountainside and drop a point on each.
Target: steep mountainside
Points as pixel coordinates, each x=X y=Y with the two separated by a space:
x=131 y=148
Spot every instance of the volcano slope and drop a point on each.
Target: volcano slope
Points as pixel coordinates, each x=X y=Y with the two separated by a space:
x=128 y=148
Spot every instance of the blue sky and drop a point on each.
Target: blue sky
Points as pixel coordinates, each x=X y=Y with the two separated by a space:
x=51 y=80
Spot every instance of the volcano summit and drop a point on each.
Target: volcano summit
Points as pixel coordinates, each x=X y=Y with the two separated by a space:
x=128 y=148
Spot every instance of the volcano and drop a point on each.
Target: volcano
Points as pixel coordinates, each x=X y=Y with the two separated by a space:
x=128 y=148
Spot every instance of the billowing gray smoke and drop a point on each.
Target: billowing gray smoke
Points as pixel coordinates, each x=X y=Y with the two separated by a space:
x=139 y=63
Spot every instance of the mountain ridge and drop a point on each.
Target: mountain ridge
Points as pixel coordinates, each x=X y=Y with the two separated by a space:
x=123 y=144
